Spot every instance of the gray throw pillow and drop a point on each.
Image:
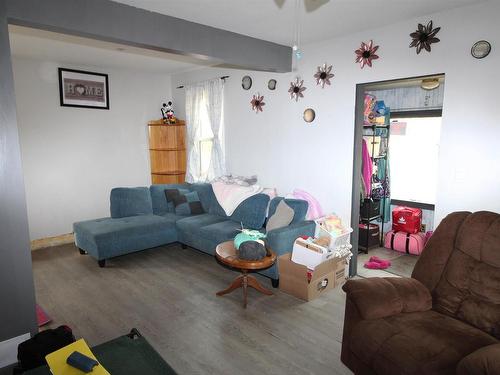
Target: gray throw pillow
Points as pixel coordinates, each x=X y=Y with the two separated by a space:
x=282 y=217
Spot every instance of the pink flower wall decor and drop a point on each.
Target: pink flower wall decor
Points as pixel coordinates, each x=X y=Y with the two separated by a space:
x=257 y=103
x=366 y=53
x=323 y=75
x=296 y=89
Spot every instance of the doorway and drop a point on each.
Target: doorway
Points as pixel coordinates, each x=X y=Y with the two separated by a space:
x=396 y=151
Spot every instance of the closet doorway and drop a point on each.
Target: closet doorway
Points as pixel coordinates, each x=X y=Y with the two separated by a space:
x=396 y=150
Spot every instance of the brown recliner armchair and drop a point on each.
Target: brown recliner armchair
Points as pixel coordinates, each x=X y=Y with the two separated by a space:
x=445 y=319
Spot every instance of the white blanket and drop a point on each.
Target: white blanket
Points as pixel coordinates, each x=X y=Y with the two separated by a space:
x=230 y=196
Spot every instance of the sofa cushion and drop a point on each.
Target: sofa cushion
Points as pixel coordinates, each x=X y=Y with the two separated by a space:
x=193 y=224
x=126 y=202
x=208 y=199
x=160 y=204
x=107 y=237
x=415 y=343
x=221 y=231
x=484 y=361
x=252 y=211
x=171 y=217
x=282 y=217
x=299 y=207
x=469 y=289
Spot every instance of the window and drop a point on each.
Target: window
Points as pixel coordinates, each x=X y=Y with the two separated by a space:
x=205 y=139
x=413 y=159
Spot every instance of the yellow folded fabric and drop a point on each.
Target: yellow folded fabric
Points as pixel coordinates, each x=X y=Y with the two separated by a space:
x=57 y=360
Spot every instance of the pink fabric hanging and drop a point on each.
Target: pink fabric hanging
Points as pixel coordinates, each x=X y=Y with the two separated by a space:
x=367 y=169
x=314 y=211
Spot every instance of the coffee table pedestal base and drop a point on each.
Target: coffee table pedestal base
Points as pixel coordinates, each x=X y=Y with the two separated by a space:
x=244 y=281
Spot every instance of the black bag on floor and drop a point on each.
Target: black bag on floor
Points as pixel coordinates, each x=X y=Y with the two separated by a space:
x=32 y=352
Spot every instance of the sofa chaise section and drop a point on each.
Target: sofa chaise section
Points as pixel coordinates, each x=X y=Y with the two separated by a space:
x=107 y=238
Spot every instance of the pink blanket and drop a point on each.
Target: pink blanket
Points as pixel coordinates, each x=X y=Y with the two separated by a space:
x=314 y=211
x=230 y=196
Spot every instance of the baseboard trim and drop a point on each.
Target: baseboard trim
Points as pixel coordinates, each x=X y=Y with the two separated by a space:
x=8 y=349
x=42 y=243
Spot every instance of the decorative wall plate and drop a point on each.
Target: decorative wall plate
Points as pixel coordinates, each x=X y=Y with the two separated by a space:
x=246 y=82
x=481 y=49
x=271 y=85
x=309 y=115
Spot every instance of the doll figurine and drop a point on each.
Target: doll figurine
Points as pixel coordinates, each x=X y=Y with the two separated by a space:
x=167 y=113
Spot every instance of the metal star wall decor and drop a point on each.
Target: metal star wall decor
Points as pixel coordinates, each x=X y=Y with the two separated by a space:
x=424 y=37
x=257 y=103
x=366 y=53
x=296 y=89
x=323 y=75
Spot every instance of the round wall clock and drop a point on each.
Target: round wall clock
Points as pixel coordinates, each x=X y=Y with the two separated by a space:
x=246 y=82
x=481 y=49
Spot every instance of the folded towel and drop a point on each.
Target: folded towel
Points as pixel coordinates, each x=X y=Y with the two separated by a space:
x=230 y=196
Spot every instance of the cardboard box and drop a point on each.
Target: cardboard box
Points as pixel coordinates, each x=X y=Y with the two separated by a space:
x=309 y=254
x=326 y=276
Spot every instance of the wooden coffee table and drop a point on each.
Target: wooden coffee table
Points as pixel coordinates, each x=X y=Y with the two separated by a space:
x=227 y=255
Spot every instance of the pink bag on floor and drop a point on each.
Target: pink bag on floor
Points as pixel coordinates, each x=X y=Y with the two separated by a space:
x=403 y=242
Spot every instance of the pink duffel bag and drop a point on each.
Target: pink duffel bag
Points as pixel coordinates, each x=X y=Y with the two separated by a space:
x=403 y=242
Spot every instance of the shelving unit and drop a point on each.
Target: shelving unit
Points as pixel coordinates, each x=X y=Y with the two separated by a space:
x=167 y=151
x=371 y=132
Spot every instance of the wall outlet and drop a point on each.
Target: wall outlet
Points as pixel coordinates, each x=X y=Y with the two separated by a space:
x=423 y=227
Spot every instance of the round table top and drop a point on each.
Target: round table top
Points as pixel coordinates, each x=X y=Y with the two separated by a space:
x=227 y=254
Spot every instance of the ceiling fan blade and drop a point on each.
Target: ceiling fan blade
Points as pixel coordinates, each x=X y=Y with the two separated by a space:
x=279 y=3
x=312 y=5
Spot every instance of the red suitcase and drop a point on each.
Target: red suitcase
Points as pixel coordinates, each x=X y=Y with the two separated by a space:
x=405 y=242
x=406 y=219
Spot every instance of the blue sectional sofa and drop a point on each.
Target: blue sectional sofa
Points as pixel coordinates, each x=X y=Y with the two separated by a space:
x=141 y=218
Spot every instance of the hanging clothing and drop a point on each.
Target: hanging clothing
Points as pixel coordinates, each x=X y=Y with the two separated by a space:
x=366 y=169
x=384 y=191
x=204 y=106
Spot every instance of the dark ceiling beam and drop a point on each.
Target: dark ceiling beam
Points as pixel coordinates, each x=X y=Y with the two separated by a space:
x=115 y=22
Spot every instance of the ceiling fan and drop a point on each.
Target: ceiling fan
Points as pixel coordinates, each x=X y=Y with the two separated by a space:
x=311 y=5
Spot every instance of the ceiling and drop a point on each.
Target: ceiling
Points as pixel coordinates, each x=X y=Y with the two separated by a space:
x=264 y=19
x=50 y=46
x=273 y=20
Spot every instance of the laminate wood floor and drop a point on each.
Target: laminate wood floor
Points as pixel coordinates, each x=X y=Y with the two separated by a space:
x=168 y=293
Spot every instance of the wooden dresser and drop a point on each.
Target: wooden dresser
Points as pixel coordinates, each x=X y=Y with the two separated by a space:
x=167 y=151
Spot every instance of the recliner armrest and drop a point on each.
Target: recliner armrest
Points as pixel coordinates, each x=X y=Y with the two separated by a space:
x=484 y=361
x=378 y=297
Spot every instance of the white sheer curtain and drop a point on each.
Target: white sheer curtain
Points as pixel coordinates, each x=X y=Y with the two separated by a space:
x=204 y=108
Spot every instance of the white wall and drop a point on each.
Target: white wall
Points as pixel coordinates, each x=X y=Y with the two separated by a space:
x=72 y=157
x=285 y=152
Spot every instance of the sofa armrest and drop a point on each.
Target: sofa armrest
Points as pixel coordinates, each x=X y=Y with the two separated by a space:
x=281 y=240
x=378 y=297
x=484 y=361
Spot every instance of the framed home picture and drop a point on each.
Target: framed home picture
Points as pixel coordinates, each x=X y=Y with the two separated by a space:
x=82 y=89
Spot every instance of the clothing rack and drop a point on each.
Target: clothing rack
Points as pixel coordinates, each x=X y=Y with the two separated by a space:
x=222 y=77
x=384 y=134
